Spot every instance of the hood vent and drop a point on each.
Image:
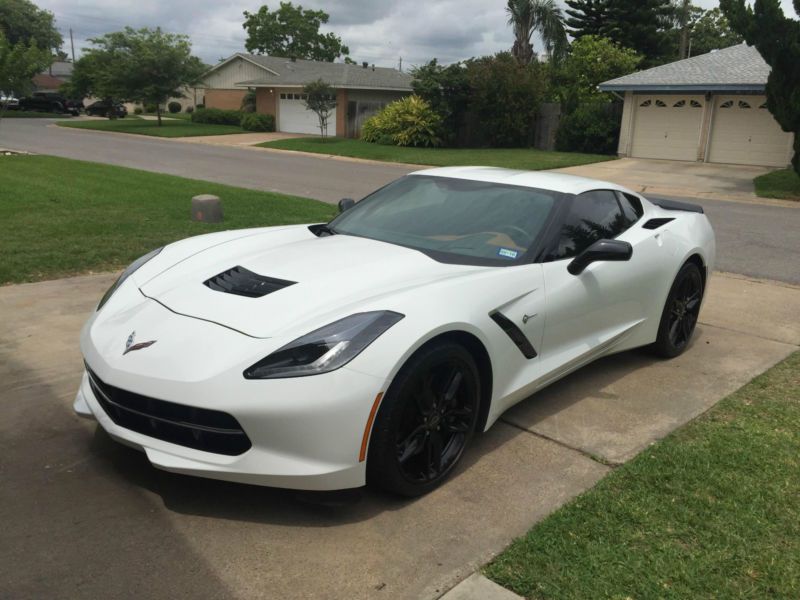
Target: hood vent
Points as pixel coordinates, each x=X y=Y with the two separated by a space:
x=242 y=282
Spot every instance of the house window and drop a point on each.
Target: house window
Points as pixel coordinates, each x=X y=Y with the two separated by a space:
x=695 y=104
x=646 y=103
x=679 y=104
x=743 y=104
x=660 y=104
x=727 y=104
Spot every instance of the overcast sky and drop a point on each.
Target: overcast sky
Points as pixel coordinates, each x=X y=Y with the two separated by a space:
x=378 y=31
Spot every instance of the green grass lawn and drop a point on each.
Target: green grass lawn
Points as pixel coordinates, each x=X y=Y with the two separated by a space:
x=712 y=511
x=512 y=158
x=60 y=216
x=30 y=114
x=783 y=184
x=169 y=127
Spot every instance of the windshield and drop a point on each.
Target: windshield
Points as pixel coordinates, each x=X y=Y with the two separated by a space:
x=464 y=221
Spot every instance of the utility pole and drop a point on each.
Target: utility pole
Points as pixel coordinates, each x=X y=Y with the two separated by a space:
x=72 y=44
x=400 y=68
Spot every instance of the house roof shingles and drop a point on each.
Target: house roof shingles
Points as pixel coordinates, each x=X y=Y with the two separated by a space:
x=302 y=72
x=738 y=68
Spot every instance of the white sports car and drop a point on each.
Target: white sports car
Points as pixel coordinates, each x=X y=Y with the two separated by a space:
x=370 y=349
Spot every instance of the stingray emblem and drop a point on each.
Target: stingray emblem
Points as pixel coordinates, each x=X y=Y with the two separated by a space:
x=130 y=346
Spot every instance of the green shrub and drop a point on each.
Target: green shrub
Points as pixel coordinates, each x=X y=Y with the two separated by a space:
x=258 y=122
x=409 y=121
x=200 y=106
x=592 y=128
x=150 y=108
x=190 y=109
x=217 y=116
x=174 y=107
x=138 y=110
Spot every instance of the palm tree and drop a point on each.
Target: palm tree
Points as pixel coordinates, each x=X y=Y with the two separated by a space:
x=542 y=17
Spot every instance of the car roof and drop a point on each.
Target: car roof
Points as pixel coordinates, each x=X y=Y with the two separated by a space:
x=557 y=182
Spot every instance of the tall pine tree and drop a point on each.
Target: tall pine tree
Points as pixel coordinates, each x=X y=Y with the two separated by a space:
x=586 y=17
x=642 y=26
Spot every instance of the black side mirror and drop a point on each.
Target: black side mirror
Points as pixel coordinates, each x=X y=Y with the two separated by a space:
x=346 y=204
x=600 y=250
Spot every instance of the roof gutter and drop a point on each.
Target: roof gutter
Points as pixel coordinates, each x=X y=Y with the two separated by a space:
x=708 y=87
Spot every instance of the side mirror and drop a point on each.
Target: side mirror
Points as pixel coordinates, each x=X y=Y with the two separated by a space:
x=600 y=250
x=346 y=204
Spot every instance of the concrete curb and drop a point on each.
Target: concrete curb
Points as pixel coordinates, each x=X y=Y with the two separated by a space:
x=478 y=587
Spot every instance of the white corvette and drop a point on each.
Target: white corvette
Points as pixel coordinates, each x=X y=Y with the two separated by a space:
x=370 y=349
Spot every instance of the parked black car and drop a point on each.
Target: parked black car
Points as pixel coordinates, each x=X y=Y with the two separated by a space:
x=50 y=102
x=101 y=108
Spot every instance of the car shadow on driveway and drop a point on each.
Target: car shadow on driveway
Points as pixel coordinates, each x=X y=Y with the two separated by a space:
x=190 y=495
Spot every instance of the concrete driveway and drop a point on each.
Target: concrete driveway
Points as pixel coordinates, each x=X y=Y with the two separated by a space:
x=676 y=178
x=84 y=517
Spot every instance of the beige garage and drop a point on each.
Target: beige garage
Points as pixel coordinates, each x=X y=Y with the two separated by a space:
x=708 y=108
x=667 y=126
x=744 y=132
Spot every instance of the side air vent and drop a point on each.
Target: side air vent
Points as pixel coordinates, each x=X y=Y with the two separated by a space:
x=656 y=223
x=242 y=282
x=512 y=331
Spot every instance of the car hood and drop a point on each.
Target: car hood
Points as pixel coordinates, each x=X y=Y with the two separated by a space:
x=332 y=276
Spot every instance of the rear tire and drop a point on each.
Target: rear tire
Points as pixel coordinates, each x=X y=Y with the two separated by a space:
x=681 y=310
x=426 y=421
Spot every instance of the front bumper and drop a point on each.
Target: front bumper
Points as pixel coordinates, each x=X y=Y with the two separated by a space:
x=299 y=451
x=306 y=432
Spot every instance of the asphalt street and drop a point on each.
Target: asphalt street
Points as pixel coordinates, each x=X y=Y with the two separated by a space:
x=758 y=240
x=322 y=178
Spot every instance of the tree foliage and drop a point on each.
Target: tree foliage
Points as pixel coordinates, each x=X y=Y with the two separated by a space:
x=320 y=99
x=136 y=65
x=711 y=31
x=777 y=39
x=293 y=32
x=447 y=91
x=18 y=64
x=586 y=17
x=641 y=25
x=23 y=21
x=591 y=61
x=542 y=17
x=505 y=98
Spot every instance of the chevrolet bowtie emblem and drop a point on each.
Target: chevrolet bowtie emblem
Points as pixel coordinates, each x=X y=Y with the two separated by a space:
x=130 y=346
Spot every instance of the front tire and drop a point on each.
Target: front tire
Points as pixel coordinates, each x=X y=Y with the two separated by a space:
x=681 y=311
x=425 y=421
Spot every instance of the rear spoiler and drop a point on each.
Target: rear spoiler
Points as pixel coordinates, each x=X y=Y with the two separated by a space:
x=675 y=205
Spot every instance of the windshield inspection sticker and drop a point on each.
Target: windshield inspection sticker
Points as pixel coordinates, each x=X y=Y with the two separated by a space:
x=506 y=253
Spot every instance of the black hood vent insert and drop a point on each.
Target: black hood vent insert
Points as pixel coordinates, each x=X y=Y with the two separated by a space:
x=242 y=282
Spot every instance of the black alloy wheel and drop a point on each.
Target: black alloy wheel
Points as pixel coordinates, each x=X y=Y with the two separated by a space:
x=426 y=421
x=681 y=312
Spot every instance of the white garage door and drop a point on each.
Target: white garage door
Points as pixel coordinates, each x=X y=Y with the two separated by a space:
x=667 y=127
x=745 y=133
x=294 y=117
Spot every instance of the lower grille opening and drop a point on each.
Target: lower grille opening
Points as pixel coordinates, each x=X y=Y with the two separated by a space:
x=197 y=428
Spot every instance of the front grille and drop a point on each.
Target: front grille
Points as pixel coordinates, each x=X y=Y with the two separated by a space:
x=198 y=428
x=242 y=282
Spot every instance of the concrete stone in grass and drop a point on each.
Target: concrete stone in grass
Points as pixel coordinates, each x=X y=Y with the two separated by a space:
x=207 y=208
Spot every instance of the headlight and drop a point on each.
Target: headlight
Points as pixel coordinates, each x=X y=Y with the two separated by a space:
x=127 y=273
x=325 y=349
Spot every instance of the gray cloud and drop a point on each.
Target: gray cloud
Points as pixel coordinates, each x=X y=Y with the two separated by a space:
x=377 y=31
